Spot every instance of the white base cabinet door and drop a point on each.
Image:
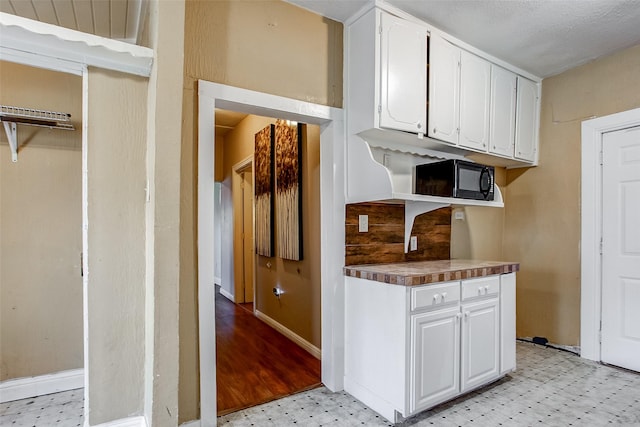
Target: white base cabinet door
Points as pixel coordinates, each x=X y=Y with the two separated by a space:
x=435 y=352
x=480 y=343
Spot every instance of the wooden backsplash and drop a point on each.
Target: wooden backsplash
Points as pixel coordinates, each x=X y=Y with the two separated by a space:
x=384 y=242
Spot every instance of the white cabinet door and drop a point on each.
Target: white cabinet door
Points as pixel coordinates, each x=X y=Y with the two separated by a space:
x=444 y=86
x=507 y=323
x=403 y=75
x=502 y=122
x=480 y=345
x=435 y=355
x=526 y=120
x=475 y=86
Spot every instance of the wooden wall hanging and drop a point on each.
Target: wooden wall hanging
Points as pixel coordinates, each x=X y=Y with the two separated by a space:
x=288 y=147
x=264 y=200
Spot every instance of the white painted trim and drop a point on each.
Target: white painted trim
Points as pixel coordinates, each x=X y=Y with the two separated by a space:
x=22 y=388
x=85 y=236
x=332 y=210
x=138 y=421
x=217 y=280
x=194 y=423
x=591 y=226
x=40 y=44
x=310 y=348
x=228 y=295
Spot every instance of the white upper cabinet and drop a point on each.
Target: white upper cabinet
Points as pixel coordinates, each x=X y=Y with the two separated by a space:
x=403 y=75
x=444 y=89
x=503 y=111
x=412 y=89
x=526 y=120
x=475 y=84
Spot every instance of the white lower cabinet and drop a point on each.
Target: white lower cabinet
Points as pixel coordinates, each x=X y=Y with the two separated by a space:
x=409 y=348
x=435 y=351
x=480 y=361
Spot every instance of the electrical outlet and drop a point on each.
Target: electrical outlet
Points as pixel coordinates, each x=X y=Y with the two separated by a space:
x=413 y=243
x=459 y=215
x=363 y=223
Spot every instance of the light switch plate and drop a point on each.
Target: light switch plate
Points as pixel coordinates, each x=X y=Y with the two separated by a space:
x=413 y=243
x=363 y=223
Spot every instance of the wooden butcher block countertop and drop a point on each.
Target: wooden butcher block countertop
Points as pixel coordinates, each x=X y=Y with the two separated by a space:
x=425 y=272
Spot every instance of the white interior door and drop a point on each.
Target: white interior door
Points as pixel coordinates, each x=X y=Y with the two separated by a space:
x=621 y=249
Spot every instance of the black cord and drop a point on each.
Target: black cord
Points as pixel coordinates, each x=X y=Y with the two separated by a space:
x=548 y=345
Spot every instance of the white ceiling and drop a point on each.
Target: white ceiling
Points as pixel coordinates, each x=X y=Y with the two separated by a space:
x=114 y=19
x=543 y=37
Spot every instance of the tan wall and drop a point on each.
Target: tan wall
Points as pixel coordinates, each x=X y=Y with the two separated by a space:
x=116 y=158
x=41 y=229
x=542 y=223
x=267 y=46
x=480 y=234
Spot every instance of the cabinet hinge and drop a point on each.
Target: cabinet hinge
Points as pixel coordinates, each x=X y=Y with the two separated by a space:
x=601 y=245
x=601 y=158
x=380 y=29
x=379 y=109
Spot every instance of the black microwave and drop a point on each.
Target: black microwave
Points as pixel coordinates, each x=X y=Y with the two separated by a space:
x=455 y=178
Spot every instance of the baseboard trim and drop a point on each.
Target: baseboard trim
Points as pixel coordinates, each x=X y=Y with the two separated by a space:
x=227 y=295
x=217 y=280
x=138 y=421
x=194 y=423
x=23 y=388
x=312 y=349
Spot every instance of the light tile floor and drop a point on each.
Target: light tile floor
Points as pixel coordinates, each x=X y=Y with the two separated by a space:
x=64 y=409
x=550 y=388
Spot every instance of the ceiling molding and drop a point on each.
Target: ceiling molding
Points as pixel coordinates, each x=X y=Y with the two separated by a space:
x=40 y=44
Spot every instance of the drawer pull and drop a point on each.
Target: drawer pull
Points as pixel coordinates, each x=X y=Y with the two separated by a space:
x=444 y=295
x=486 y=290
x=435 y=298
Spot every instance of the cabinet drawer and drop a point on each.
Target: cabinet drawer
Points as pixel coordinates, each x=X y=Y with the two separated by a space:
x=481 y=287
x=435 y=296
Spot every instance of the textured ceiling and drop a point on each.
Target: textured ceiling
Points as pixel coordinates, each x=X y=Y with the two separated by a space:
x=114 y=19
x=543 y=37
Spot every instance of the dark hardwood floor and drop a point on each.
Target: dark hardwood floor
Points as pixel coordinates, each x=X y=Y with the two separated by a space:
x=255 y=363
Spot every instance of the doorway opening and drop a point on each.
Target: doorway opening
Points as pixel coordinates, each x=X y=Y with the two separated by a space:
x=277 y=335
x=331 y=210
x=243 y=248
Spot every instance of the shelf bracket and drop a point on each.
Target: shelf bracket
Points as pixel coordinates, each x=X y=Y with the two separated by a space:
x=12 y=136
x=411 y=211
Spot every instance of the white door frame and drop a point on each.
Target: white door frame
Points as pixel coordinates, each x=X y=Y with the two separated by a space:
x=237 y=169
x=591 y=219
x=332 y=206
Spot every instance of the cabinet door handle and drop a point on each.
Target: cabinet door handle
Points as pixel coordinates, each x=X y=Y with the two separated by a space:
x=435 y=298
x=479 y=290
x=486 y=290
x=444 y=295
x=458 y=316
x=466 y=314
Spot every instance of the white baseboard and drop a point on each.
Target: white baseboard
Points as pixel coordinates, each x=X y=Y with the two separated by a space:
x=138 y=421
x=216 y=280
x=194 y=423
x=312 y=349
x=227 y=295
x=23 y=388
